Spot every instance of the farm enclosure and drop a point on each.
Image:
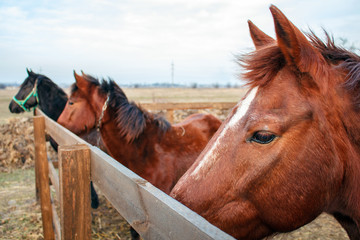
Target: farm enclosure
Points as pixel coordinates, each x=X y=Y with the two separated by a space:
x=324 y=228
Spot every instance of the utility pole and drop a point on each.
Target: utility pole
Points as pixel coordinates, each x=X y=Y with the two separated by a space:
x=172 y=73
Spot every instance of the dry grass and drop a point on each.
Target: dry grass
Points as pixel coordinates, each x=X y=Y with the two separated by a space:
x=20 y=216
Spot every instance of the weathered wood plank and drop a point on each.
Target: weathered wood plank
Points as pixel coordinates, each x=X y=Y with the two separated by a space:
x=37 y=183
x=43 y=177
x=74 y=171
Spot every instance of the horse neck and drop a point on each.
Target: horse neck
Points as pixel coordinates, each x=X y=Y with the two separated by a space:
x=348 y=149
x=52 y=99
x=130 y=154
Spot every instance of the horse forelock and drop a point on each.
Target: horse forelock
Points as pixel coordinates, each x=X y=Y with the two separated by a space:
x=262 y=65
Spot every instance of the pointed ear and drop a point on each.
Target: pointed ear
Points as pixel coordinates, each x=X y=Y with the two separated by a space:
x=81 y=83
x=297 y=50
x=259 y=38
x=30 y=72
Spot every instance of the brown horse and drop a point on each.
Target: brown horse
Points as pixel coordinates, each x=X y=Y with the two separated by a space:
x=290 y=149
x=141 y=141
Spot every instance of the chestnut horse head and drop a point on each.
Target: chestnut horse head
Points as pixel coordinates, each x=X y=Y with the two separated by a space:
x=80 y=114
x=290 y=149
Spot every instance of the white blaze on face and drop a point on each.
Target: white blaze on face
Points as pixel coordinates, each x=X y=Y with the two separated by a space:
x=212 y=155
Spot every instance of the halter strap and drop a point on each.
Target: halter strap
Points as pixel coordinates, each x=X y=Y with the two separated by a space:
x=33 y=93
x=102 y=112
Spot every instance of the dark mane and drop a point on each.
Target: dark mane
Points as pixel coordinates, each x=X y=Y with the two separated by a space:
x=52 y=99
x=346 y=60
x=262 y=65
x=130 y=118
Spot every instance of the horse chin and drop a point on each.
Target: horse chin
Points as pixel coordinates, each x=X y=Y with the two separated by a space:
x=237 y=217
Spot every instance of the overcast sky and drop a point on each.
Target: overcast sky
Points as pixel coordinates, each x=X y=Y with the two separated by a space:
x=135 y=41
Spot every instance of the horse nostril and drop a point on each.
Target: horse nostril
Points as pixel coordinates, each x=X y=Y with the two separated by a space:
x=14 y=108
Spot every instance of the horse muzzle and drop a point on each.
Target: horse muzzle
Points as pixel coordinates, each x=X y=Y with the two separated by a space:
x=15 y=108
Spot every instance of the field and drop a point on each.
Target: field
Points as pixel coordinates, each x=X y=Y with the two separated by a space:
x=20 y=216
x=5 y=97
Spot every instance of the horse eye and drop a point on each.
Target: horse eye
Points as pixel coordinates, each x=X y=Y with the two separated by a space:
x=71 y=103
x=263 y=137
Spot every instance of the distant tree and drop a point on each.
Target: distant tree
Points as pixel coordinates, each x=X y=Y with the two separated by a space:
x=136 y=85
x=216 y=85
x=2 y=86
x=228 y=85
x=194 y=85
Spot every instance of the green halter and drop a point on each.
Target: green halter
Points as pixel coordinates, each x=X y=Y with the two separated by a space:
x=33 y=93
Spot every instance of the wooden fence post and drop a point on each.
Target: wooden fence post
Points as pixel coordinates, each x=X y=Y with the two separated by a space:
x=75 y=212
x=42 y=170
x=37 y=184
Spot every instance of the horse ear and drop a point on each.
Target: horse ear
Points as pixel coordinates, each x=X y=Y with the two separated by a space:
x=297 y=50
x=80 y=81
x=30 y=72
x=259 y=37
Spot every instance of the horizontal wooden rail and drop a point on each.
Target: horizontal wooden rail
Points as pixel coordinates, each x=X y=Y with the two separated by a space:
x=187 y=105
x=150 y=211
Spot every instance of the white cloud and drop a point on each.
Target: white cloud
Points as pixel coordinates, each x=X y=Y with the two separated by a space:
x=137 y=40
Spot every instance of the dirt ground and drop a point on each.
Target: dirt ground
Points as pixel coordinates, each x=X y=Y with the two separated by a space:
x=20 y=216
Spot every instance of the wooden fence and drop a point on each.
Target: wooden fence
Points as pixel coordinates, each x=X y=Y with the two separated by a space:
x=151 y=212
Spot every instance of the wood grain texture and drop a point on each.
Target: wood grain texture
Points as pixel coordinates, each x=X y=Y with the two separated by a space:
x=43 y=177
x=74 y=171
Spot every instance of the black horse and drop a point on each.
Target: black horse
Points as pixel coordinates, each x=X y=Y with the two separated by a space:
x=39 y=90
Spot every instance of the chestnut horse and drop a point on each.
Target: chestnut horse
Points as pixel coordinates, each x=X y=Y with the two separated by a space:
x=143 y=142
x=290 y=149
